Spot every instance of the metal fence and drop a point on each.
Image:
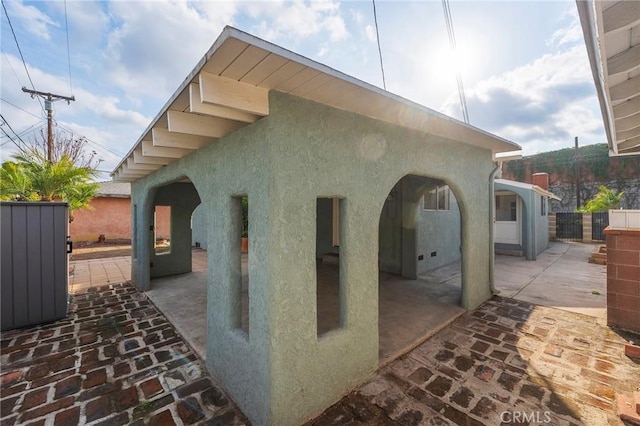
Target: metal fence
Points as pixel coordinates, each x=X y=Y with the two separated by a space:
x=569 y=226
x=599 y=221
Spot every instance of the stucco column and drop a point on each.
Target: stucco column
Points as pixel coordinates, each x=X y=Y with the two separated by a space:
x=308 y=372
x=142 y=219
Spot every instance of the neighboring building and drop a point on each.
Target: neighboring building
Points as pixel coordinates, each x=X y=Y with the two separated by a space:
x=109 y=216
x=325 y=160
x=522 y=216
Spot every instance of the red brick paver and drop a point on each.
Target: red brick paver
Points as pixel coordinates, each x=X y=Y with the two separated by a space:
x=115 y=360
x=508 y=362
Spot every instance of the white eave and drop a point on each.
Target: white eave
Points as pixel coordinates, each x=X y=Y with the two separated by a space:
x=612 y=36
x=229 y=87
x=535 y=188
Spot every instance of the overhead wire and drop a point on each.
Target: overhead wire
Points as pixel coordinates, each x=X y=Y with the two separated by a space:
x=14 y=132
x=20 y=108
x=66 y=25
x=15 y=38
x=375 y=20
x=452 y=43
x=12 y=69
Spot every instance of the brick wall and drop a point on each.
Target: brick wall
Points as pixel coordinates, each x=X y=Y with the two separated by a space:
x=623 y=278
x=111 y=216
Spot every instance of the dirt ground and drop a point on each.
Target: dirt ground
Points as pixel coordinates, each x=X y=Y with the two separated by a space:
x=86 y=251
x=112 y=248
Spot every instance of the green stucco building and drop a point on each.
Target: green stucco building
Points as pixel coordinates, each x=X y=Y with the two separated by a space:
x=329 y=165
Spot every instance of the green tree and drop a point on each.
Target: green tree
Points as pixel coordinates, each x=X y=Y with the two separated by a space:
x=31 y=177
x=603 y=201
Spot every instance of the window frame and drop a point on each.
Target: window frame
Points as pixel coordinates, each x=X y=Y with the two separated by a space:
x=437 y=191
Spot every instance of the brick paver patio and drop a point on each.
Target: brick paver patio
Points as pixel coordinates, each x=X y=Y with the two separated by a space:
x=508 y=362
x=115 y=360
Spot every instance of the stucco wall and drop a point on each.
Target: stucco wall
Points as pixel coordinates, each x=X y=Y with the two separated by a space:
x=199 y=228
x=438 y=231
x=282 y=373
x=542 y=224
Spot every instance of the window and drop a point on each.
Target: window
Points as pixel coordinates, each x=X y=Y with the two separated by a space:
x=543 y=205
x=437 y=198
x=506 y=208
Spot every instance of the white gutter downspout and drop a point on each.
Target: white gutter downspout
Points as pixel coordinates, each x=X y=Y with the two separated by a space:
x=492 y=216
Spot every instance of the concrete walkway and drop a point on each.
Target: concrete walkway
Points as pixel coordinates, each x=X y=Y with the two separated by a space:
x=561 y=277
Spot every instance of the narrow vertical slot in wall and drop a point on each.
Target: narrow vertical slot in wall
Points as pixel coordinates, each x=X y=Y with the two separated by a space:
x=162 y=229
x=240 y=271
x=329 y=240
x=134 y=233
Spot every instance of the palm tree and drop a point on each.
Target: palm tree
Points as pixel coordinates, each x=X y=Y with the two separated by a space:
x=15 y=185
x=32 y=176
x=603 y=201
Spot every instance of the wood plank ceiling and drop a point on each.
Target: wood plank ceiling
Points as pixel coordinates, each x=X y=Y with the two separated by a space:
x=229 y=88
x=612 y=35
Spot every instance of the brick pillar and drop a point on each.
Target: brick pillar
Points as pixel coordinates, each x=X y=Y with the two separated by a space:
x=552 y=226
x=586 y=227
x=541 y=179
x=623 y=278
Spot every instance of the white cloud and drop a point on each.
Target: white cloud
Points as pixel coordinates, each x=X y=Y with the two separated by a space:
x=569 y=34
x=539 y=105
x=33 y=20
x=299 y=19
x=155 y=45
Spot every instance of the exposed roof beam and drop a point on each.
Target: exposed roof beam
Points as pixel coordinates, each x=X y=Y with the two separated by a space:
x=627 y=89
x=125 y=173
x=138 y=158
x=630 y=144
x=196 y=105
x=628 y=123
x=621 y=15
x=624 y=61
x=166 y=139
x=131 y=165
x=627 y=134
x=200 y=125
x=627 y=108
x=223 y=91
x=157 y=151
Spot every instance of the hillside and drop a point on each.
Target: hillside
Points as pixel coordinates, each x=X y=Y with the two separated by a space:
x=595 y=167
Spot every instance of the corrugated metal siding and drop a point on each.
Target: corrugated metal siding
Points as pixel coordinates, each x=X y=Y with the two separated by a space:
x=34 y=266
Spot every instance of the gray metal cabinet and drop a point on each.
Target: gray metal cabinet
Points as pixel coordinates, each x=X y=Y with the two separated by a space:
x=34 y=269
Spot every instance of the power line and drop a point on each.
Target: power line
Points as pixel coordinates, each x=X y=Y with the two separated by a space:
x=375 y=19
x=14 y=132
x=12 y=69
x=452 y=43
x=66 y=25
x=20 y=51
x=20 y=108
x=98 y=144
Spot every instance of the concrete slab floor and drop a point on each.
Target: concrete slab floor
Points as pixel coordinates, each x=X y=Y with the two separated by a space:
x=409 y=310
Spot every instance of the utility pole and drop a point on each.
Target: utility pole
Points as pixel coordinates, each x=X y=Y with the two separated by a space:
x=49 y=98
x=577 y=170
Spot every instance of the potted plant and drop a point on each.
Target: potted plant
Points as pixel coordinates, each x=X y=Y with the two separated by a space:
x=244 y=247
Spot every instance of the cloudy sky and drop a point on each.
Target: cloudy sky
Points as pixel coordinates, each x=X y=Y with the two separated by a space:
x=524 y=65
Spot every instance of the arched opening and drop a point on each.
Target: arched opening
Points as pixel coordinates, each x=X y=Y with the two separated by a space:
x=419 y=262
x=178 y=271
